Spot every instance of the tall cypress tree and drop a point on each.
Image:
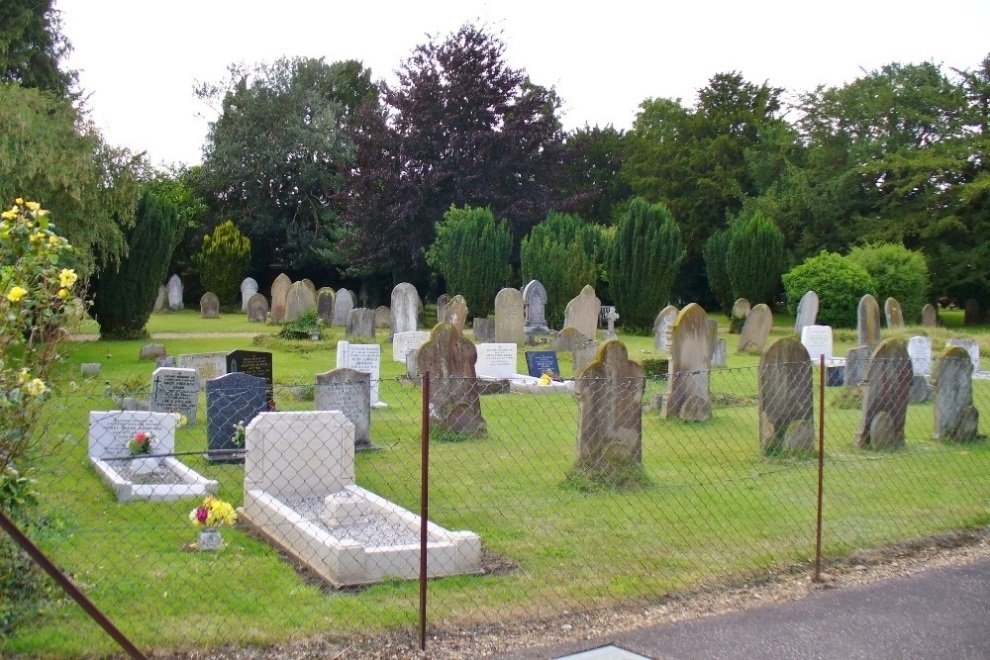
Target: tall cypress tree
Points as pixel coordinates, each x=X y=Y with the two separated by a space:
x=755 y=259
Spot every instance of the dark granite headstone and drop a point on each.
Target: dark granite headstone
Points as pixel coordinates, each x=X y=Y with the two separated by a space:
x=541 y=362
x=231 y=399
x=255 y=363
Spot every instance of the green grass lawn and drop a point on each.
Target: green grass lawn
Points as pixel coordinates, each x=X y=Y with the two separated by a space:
x=714 y=509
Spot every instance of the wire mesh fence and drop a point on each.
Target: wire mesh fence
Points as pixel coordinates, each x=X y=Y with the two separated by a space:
x=570 y=496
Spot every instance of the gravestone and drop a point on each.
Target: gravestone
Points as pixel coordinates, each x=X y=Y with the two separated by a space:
x=542 y=362
x=688 y=396
x=253 y=363
x=956 y=419
x=972 y=347
x=662 y=327
x=885 y=397
x=308 y=283
x=348 y=391
x=280 y=294
x=343 y=303
x=175 y=391
x=90 y=368
x=895 y=316
x=817 y=340
x=740 y=310
x=110 y=431
x=324 y=305
x=929 y=316
x=405 y=342
x=785 y=398
x=972 y=312
x=152 y=352
x=720 y=357
x=582 y=349
x=920 y=351
x=868 y=321
x=457 y=311
x=257 y=308
x=756 y=330
x=535 y=305
x=455 y=404
x=807 y=313
x=299 y=301
x=361 y=323
x=249 y=287
x=582 y=312
x=857 y=364
x=207 y=365
x=175 y=293
x=610 y=413
x=442 y=301
x=366 y=358
x=231 y=399
x=611 y=317
x=209 y=306
x=483 y=329
x=383 y=317
x=509 y=318
x=496 y=360
x=160 y=299
x=405 y=309
x=167 y=361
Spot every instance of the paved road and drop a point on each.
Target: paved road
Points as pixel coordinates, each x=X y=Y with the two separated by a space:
x=941 y=613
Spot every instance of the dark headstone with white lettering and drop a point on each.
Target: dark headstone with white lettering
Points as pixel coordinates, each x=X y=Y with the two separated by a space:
x=255 y=363
x=541 y=362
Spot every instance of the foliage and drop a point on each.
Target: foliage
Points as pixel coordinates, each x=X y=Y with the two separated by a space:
x=755 y=259
x=223 y=260
x=124 y=297
x=838 y=282
x=646 y=255
x=897 y=273
x=656 y=367
x=472 y=251
x=715 y=252
x=213 y=512
x=305 y=326
x=180 y=186
x=564 y=254
x=32 y=47
x=591 y=183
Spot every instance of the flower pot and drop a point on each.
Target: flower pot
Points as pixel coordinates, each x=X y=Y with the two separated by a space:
x=209 y=539
x=142 y=466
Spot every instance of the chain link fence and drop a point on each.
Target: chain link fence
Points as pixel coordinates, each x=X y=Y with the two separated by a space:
x=328 y=542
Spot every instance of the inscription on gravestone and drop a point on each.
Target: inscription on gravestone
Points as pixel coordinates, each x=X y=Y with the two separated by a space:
x=348 y=391
x=541 y=362
x=254 y=363
x=175 y=390
x=366 y=358
x=496 y=360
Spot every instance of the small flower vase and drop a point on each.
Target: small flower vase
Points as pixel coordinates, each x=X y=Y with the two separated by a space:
x=143 y=466
x=209 y=539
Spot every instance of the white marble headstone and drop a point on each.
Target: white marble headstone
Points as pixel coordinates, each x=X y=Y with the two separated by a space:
x=920 y=352
x=818 y=340
x=404 y=342
x=496 y=360
x=366 y=358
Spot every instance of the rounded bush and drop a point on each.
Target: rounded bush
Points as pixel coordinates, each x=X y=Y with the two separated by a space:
x=898 y=273
x=838 y=282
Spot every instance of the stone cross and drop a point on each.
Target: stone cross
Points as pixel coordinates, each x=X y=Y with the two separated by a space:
x=611 y=317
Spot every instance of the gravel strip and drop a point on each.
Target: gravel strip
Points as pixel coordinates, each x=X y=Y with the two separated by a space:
x=371 y=530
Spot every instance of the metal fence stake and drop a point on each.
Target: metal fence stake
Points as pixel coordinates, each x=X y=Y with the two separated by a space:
x=424 y=509
x=821 y=467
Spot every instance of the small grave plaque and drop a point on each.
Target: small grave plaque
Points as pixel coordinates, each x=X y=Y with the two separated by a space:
x=817 y=339
x=496 y=360
x=541 y=362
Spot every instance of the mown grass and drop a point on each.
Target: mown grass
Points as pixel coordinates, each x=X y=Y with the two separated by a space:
x=713 y=509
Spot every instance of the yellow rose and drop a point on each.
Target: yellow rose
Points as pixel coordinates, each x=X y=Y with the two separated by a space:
x=8 y=215
x=33 y=206
x=63 y=293
x=37 y=236
x=36 y=387
x=16 y=294
x=67 y=277
x=23 y=376
x=19 y=201
x=53 y=239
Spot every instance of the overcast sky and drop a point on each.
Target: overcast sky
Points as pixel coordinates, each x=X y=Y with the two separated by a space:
x=139 y=59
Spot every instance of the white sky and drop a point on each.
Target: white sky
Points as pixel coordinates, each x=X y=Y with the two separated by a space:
x=139 y=59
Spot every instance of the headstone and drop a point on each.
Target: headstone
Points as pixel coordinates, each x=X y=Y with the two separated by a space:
x=280 y=294
x=174 y=293
x=300 y=300
x=610 y=411
x=455 y=404
x=663 y=326
x=160 y=299
x=720 y=357
x=110 y=431
x=308 y=283
x=956 y=418
x=972 y=347
x=885 y=397
x=920 y=351
x=868 y=321
x=412 y=364
x=231 y=399
x=405 y=309
x=167 y=361
x=383 y=317
x=688 y=395
x=442 y=301
x=257 y=308
x=175 y=391
x=740 y=310
x=509 y=318
x=807 y=313
x=348 y=391
x=405 y=342
x=90 y=368
x=542 y=362
x=249 y=287
x=929 y=316
x=857 y=363
x=209 y=306
x=483 y=329
x=817 y=340
x=366 y=358
x=611 y=317
x=207 y=365
x=496 y=360
x=324 y=305
x=895 y=317
x=756 y=330
x=361 y=323
x=582 y=312
x=152 y=352
x=785 y=398
x=457 y=311
x=535 y=304
x=582 y=348
x=254 y=363
x=972 y=312
x=343 y=303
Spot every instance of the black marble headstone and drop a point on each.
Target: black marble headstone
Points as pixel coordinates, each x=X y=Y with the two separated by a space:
x=540 y=362
x=231 y=399
x=255 y=363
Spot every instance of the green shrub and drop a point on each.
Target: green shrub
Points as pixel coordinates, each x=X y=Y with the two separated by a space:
x=838 y=282
x=223 y=260
x=656 y=367
x=715 y=250
x=755 y=259
x=898 y=273
x=305 y=327
x=22 y=582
